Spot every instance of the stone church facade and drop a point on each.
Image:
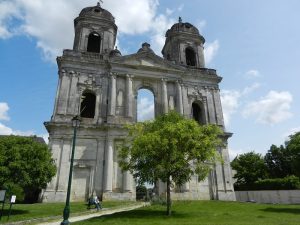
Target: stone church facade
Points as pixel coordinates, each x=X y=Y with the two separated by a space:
x=99 y=84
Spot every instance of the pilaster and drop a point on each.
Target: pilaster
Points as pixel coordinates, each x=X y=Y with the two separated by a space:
x=129 y=95
x=164 y=95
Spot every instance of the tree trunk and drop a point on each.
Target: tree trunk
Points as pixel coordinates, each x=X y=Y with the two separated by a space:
x=169 y=197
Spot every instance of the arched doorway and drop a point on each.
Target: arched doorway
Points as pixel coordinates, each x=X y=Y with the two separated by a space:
x=198 y=112
x=88 y=104
x=145 y=105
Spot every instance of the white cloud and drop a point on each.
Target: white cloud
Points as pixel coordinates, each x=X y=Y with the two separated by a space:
x=200 y=24
x=210 y=51
x=233 y=153
x=4 y=130
x=231 y=100
x=250 y=89
x=51 y=22
x=159 y=27
x=290 y=132
x=270 y=109
x=145 y=109
x=138 y=16
x=3 y=111
x=180 y=7
x=169 y=11
x=7 y=12
x=230 y=103
x=252 y=74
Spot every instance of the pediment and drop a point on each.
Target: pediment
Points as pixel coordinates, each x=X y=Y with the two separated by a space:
x=146 y=59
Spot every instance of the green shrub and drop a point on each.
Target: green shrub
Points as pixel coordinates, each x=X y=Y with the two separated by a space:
x=286 y=183
x=14 y=189
x=141 y=192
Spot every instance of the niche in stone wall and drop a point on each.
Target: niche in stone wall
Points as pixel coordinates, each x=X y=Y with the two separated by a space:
x=120 y=103
x=117 y=184
x=88 y=104
x=171 y=103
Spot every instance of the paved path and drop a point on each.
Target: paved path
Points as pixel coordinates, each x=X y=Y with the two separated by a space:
x=97 y=214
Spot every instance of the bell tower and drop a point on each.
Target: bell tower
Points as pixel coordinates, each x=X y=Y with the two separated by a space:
x=95 y=30
x=184 y=45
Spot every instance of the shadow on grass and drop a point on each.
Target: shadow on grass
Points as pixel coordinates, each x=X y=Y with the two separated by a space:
x=282 y=210
x=141 y=213
x=14 y=212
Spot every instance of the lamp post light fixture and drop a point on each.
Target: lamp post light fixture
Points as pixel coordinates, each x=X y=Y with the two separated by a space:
x=75 y=123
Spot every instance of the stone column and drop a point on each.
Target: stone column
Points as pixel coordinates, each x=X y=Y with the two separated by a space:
x=112 y=106
x=179 y=97
x=97 y=105
x=186 y=187
x=129 y=95
x=71 y=107
x=204 y=100
x=109 y=164
x=127 y=182
x=63 y=93
x=60 y=74
x=164 y=96
x=211 y=107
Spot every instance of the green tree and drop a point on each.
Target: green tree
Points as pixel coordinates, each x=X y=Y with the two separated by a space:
x=278 y=162
x=26 y=163
x=163 y=149
x=293 y=147
x=249 y=168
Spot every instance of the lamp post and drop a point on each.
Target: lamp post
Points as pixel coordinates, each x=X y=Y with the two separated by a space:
x=75 y=124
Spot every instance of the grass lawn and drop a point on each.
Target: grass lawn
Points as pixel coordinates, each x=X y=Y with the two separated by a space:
x=39 y=210
x=205 y=213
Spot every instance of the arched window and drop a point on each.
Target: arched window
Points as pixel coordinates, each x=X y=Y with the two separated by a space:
x=145 y=105
x=190 y=57
x=87 y=106
x=198 y=113
x=94 y=42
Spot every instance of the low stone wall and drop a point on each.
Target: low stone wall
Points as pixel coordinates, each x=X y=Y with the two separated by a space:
x=275 y=197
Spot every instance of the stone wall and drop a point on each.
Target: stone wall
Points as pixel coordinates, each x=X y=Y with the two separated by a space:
x=274 y=197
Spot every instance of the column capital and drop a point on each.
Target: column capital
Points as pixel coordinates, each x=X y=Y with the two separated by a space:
x=129 y=76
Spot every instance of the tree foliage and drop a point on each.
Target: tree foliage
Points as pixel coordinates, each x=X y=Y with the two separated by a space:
x=293 y=148
x=249 y=168
x=26 y=163
x=278 y=162
x=163 y=149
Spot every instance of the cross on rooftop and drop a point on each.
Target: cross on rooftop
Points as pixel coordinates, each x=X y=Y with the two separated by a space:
x=99 y=3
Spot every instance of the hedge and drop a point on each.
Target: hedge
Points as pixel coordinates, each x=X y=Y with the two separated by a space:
x=287 y=183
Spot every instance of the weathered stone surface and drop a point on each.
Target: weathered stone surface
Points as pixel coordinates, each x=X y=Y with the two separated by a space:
x=94 y=68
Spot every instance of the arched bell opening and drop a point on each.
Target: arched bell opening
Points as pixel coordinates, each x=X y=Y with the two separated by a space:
x=88 y=105
x=94 y=42
x=190 y=56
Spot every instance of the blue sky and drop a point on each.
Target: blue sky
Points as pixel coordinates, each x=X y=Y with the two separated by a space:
x=253 y=44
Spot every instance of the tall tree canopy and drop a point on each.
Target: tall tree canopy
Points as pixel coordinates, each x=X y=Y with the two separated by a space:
x=26 y=163
x=165 y=149
x=293 y=147
x=249 y=168
x=278 y=162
